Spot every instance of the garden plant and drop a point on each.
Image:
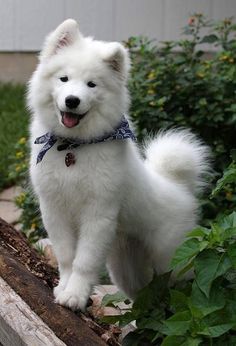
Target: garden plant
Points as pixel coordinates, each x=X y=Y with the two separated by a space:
x=14 y=122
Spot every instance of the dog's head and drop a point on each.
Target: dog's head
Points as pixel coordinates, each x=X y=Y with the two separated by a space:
x=79 y=88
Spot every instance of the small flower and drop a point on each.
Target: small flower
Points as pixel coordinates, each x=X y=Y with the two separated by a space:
x=22 y=140
x=231 y=60
x=151 y=92
x=191 y=20
x=18 y=168
x=151 y=75
x=228 y=21
x=21 y=198
x=223 y=57
x=33 y=226
x=229 y=195
x=19 y=154
x=200 y=75
x=152 y=103
x=207 y=65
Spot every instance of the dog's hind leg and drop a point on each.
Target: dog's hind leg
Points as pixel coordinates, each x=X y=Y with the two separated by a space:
x=129 y=265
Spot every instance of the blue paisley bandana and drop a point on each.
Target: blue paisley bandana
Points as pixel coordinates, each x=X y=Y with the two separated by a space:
x=122 y=131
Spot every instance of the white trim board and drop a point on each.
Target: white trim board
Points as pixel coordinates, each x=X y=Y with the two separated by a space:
x=19 y=325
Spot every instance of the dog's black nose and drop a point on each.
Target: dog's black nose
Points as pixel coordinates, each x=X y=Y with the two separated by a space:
x=72 y=101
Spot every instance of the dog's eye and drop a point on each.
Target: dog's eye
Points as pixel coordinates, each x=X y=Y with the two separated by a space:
x=91 y=84
x=64 y=79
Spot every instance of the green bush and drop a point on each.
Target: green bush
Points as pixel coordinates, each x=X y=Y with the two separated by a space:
x=14 y=122
x=30 y=218
x=176 y=84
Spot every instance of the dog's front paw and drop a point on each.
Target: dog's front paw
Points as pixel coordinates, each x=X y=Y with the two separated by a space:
x=58 y=289
x=61 y=286
x=72 y=300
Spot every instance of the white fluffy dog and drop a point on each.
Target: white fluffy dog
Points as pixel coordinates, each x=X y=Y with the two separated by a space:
x=101 y=200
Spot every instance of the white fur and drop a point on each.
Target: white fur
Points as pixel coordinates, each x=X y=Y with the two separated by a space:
x=112 y=205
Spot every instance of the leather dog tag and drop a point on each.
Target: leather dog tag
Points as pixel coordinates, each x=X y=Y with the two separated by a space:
x=69 y=159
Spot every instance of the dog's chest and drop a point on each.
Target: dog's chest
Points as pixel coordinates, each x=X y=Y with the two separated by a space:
x=78 y=174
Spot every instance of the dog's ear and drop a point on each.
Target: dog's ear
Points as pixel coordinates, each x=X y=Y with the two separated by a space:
x=65 y=35
x=117 y=57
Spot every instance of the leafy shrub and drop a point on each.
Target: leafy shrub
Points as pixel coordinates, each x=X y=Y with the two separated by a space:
x=18 y=171
x=228 y=181
x=19 y=161
x=30 y=218
x=224 y=192
x=14 y=120
x=198 y=311
x=178 y=85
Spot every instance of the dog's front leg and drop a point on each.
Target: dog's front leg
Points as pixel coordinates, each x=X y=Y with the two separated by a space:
x=63 y=238
x=97 y=232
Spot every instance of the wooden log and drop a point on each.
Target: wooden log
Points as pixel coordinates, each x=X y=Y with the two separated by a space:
x=30 y=277
x=16 y=244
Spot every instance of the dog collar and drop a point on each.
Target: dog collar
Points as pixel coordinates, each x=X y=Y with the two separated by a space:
x=122 y=132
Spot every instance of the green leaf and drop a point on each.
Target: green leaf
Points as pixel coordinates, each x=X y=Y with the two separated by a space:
x=219 y=322
x=178 y=300
x=186 y=268
x=218 y=330
x=198 y=232
x=203 y=245
x=153 y=294
x=132 y=339
x=201 y=306
x=112 y=319
x=229 y=233
x=226 y=339
x=208 y=266
x=192 y=341
x=233 y=151
x=231 y=250
x=112 y=299
x=149 y=323
x=173 y=340
x=179 y=323
x=231 y=277
x=202 y=102
x=216 y=235
x=228 y=221
x=186 y=252
x=229 y=176
x=151 y=320
x=123 y=320
x=127 y=318
x=161 y=101
x=230 y=311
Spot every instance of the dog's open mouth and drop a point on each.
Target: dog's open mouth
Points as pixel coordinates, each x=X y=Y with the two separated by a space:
x=71 y=119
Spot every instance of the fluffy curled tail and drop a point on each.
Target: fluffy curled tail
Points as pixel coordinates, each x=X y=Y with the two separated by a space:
x=180 y=156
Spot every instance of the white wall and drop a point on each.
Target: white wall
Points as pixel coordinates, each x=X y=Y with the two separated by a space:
x=24 y=23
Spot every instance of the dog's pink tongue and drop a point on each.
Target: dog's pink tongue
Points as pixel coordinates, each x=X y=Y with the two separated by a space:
x=70 y=120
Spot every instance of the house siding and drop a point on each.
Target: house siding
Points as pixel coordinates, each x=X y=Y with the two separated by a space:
x=24 y=23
